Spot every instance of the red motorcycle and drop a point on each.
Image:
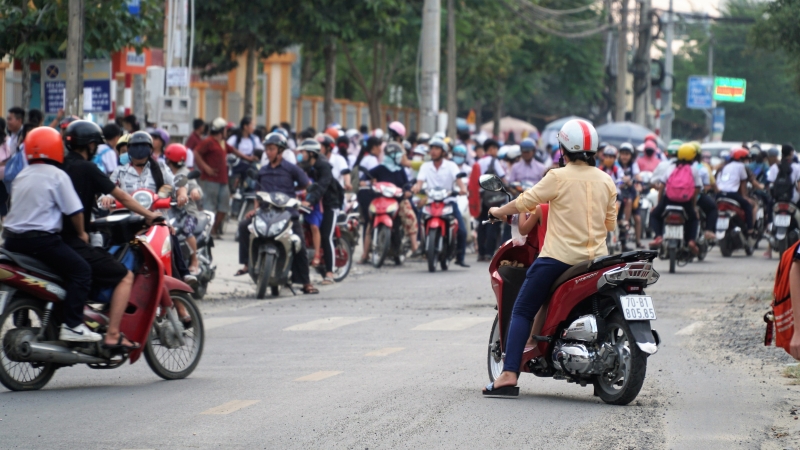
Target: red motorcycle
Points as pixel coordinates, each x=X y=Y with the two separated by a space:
x=441 y=229
x=387 y=230
x=343 y=251
x=597 y=326
x=29 y=290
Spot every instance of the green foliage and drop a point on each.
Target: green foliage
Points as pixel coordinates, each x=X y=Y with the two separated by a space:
x=768 y=111
x=779 y=29
x=37 y=29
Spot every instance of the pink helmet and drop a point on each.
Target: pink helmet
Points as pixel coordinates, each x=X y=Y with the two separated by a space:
x=398 y=128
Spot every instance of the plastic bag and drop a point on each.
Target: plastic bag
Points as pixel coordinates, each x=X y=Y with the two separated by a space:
x=516 y=238
x=14 y=166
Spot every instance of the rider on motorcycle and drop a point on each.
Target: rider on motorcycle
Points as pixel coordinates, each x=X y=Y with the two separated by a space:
x=278 y=176
x=528 y=168
x=628 y=187
x=705 y=201
x=443 y=173
x=686 y=155
x=82 y=140
x=176 y=161
x=43 y=195
x=582 y=210
x=732 y=183
x=459 y=157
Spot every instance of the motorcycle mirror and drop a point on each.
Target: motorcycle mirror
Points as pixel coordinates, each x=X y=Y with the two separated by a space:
x=181 y=181
x=258 y=153
x=491 y=183
x=193 y=175
x=461 y=175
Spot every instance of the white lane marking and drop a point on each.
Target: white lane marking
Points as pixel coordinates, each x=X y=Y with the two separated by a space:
x=230 y=407
x=317 y=376
x=689 y=330
x=452 y=324
x=328 y=323
x=385 y=351
x=216 y=322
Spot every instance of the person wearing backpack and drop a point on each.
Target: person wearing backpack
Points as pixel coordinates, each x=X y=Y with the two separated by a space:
x=681 y=187
x=106 y=157
x=783 y=177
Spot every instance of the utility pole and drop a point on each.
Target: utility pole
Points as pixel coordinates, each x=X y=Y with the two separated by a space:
x=710 y=113
x=74 y=105
x=429 y=76
x=641 y=72
x=622 y=64
x=452 y=101
x=667 y=114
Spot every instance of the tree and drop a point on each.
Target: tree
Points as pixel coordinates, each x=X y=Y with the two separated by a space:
x=225 y=29
x=778 y=28
x=37 y=29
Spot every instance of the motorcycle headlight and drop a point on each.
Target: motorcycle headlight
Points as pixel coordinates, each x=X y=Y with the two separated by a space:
x=391 y=208
x=260 y=226
x=276 y=228
x=447 y=210
x=143 y=198
x=372 y=208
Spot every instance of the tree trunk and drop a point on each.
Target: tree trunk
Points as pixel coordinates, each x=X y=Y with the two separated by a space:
x=74 y=86
x=330 y=79
x=306 y=67
x=249 y=82
x=375 y=114
x=498 y=109
x=452 y=101
x=26 y=84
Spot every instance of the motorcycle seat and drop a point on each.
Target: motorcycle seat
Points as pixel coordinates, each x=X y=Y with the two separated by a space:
x=29 y=263
x=598 y=263
x=674 y=208
x=729 y=200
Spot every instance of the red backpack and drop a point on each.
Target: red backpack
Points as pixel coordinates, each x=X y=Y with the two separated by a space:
x=780 y=322
x=680 y=185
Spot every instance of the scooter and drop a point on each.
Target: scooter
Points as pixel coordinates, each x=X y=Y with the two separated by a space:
x=731 y=228
x=272 y=243
x=29 y=290
x=648 y=199
x=441 y=229
x=387 y=231
x=343 y=250
x=674 y=247
x=205 y=242
x=243 y=197
x=597 y=329
x=784 y=232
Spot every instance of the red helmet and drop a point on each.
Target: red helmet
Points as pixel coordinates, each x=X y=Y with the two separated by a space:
x=651 y=137
x=333 y=133
x=175 y=153
x=739 y=154
x=44 y=143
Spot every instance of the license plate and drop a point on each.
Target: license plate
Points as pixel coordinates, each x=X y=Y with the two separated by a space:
x=782 y=220
x=673 y=232
x=638 y=307
x=722 y=223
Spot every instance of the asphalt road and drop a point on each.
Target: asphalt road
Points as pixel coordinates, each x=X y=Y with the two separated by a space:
x=396 y=358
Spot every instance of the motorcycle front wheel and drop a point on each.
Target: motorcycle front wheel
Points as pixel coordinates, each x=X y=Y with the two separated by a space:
x=494 y=358
x=380 y=246
x=725 y=247
x=619 y=385
x=343 y=259
x=163 y=352
x=432 y=247
x=24 y=376
x=267 y=261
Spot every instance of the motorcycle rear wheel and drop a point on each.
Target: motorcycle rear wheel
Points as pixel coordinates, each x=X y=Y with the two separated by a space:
x=342 y=259
x=432 y=247
x=380 y=248
x=781 y=246
x=494 y=358
x=24 y=376
x=725 y=247
x=176 y=363
x=673 y=258
x=621 y=386
x=265 y=271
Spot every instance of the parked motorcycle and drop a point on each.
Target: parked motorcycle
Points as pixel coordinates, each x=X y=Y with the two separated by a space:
x=272 y=243
x=785 y=231
x=441 y=229
x=243 y=197
x=343 y=250
x=597 y=328
x=387 y=230
x=732 y=228
x=29 y=290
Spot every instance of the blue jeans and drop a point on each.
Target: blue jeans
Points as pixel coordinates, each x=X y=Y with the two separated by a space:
x=534 y=293
x=461 y=239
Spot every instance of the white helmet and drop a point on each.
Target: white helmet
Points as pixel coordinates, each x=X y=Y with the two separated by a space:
x=513 y=152
x=578 y=136
x=421 y=150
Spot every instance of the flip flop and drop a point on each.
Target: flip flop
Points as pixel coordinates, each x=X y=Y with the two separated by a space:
x=326 y=281
x=120 y=346
x=501 y=392
x=311 y=290
x=240 y=272
x=187 y=322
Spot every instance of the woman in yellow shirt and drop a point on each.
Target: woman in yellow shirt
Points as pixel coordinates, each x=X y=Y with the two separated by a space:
x=582 y=211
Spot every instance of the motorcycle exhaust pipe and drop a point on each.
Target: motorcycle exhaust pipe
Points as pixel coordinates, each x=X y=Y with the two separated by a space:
x=51 y=353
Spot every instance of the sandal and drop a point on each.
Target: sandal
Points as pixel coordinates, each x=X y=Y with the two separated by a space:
x=187 y=322
x=310 y=290
x=316 y=262
x=327 y=280
x=501 y=392
x=240 y=272
x=120 y=346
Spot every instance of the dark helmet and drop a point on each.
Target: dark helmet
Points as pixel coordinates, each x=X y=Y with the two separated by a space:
x=140 y=145
x=81 y=133
x=275 y=138
x=325 y=139
x=310 y=145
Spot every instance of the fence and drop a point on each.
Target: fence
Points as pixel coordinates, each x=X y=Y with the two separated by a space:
x=309 y=111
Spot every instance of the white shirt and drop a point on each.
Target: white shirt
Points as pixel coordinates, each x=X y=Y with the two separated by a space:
x=130 y=181
x=772 y=175
x=13 y=141
x=246 y=144
x=190 y=158
x=43 y=194
x=338 y=164
x=109 y=158
x=731 y=176
x=498 y=168
x=442 y=178
x=369 y=162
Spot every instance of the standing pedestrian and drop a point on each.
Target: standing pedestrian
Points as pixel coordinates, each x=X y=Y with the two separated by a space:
x=14 y=121
x=247 y=144
x=488 y=234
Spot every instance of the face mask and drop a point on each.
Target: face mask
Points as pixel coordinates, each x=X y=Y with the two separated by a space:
x=459 y=160
x=398 y=157
x=649 y=151
x=299 y=157
x=417 y=158
x=124 y=159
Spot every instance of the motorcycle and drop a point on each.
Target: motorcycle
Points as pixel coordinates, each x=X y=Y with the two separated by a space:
x=29 y=290
x=597 y=329
x=674 y=247
x=243 y=197
x=272 y=243
x=785 y=231
x=648 y=199
x=731 y=228
x=387 y=230
x=441 y=229
x=342 y=246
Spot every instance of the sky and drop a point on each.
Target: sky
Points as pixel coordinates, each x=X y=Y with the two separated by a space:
x=709 y=6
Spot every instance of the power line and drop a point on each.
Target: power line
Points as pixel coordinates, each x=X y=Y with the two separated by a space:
x=537 y=11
